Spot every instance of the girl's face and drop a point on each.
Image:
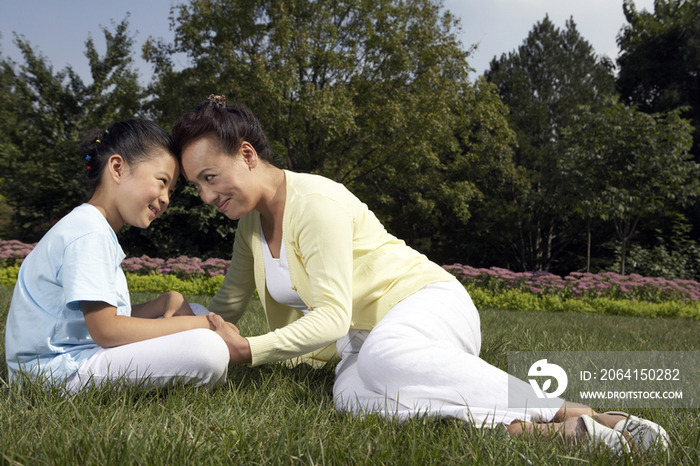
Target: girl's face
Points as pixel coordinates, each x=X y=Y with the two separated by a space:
x=145 y=190
x=221 y=180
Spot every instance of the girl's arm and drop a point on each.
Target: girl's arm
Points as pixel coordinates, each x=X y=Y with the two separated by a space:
x=108 y=329
x=169 y=304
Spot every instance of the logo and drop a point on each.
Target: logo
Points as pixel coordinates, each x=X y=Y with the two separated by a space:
x=542 y=368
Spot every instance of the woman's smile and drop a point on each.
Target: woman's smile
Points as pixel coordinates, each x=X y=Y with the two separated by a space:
x=222 y=206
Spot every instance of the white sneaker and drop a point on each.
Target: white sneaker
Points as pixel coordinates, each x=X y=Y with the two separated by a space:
x=617 y=441
x=646 y=434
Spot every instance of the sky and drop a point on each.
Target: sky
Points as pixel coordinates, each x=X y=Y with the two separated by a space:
x=58 y=29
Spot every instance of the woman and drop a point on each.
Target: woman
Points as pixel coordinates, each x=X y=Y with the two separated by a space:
x=327 y=272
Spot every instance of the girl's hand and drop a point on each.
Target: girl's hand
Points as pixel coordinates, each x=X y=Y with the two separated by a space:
x=238 y=347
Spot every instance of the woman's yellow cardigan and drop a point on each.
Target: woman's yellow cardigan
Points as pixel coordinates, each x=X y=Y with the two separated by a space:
x=342 y=262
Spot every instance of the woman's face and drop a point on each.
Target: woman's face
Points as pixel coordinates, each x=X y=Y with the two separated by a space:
x=221 y=180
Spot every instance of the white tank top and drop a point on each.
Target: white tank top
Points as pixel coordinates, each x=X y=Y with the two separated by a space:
x=277 y=280
x=279 y=285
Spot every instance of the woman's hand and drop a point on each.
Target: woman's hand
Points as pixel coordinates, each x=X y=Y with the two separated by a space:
x=238 y=346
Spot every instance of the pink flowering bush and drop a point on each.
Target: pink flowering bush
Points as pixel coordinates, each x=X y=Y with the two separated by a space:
x=492 y=281
x=578 y=285
x=182 y=267
x=13 y=252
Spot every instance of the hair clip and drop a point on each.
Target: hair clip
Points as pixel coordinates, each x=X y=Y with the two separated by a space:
x=107 y=131
x=218 y=100
x=88 y=157
x=89 y=167
x=98 y=141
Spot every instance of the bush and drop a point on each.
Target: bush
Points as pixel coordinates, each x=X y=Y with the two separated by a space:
x=493 y=288
x=8 y=275
x=578 y=285
x=515 y=300
x=164 y=283
x=677 y=258
x=183 y=267
x=13 y=252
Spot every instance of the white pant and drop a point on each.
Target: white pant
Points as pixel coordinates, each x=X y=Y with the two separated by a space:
x=198 y=357
x=422 y=358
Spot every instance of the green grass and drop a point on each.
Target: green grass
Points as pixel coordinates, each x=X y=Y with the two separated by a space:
x=277 y=415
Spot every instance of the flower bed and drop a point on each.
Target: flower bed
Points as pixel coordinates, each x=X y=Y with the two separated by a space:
x=182 y=267
x=13 y=252
x=494 y=286
x=578 y=285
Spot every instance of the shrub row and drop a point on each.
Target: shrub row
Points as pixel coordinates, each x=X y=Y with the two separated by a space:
x=578 y=285
x=522 y=301
x=483 y=298
x=154 y=283
x=163 y=283
x=496 y=288
x=182 y=267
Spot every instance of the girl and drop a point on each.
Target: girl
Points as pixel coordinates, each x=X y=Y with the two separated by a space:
x=331 y=279
x=71 y=319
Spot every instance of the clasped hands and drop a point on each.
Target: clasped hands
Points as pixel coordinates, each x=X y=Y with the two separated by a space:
x=238 y=346
x=173 y=304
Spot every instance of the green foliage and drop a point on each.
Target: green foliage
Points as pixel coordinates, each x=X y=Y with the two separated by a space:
x=374 y=95
x=542 y=82
x=43 y=116
x=639 y=164
x=516 y=301
x=5 y=216
x=660 y=58
x=8 y=275
x=164 y=283
x=483 y=298
x=674 y=256
x=207 y=285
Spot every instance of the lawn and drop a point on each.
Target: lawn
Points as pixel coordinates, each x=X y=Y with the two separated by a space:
x=277 y=415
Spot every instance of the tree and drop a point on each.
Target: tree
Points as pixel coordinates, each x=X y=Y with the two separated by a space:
x=373 y=94
x=543 y=82
x=640 y=163
x=659 y=61
x=42 y=118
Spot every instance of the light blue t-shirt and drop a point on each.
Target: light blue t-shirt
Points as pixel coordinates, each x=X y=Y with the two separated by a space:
x=79 y=259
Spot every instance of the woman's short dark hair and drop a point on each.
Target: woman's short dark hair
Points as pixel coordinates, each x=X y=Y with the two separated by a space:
x=134 y=140
x=227 y=125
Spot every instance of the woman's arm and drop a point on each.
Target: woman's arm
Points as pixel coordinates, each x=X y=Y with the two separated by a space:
x=169 y=304
x=323 y=232
x=108 y=329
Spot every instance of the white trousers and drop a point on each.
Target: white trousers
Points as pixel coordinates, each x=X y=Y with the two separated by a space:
x=197 y=357
x=422 y=358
